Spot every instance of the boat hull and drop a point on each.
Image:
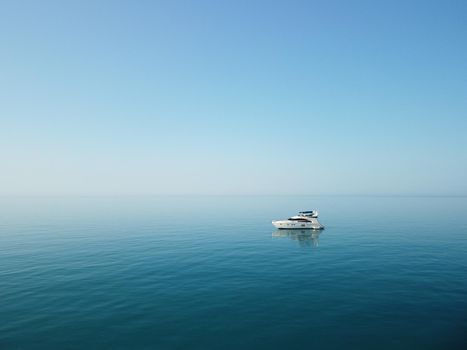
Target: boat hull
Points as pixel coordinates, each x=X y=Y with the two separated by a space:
x=297 y=225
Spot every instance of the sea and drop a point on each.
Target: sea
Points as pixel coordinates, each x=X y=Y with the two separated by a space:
x=211 y=272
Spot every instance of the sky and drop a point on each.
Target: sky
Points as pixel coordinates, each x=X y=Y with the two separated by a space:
x=233 y=97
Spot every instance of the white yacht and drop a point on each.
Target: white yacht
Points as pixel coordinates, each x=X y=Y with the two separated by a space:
x=304 y=220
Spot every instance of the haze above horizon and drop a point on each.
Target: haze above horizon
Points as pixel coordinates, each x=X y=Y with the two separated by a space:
x=244 y=97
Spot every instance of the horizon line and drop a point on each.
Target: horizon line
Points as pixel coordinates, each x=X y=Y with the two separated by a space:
x=237 y=195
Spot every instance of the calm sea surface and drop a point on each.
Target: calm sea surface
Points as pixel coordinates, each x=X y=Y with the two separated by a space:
x=213 y=273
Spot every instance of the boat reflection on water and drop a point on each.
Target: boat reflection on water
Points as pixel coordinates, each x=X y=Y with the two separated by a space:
x=304 y=237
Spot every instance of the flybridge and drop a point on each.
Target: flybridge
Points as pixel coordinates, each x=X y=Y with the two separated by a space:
x=312 y=213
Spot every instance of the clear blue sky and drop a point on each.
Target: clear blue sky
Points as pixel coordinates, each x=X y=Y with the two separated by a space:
x=233 y=97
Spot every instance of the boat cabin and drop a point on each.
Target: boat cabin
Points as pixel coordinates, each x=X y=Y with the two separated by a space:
x=299 y=218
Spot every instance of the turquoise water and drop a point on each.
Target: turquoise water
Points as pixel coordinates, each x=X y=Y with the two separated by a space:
x=213 y=273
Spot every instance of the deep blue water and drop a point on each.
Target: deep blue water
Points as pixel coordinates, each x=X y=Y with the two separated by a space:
x=213 y=273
